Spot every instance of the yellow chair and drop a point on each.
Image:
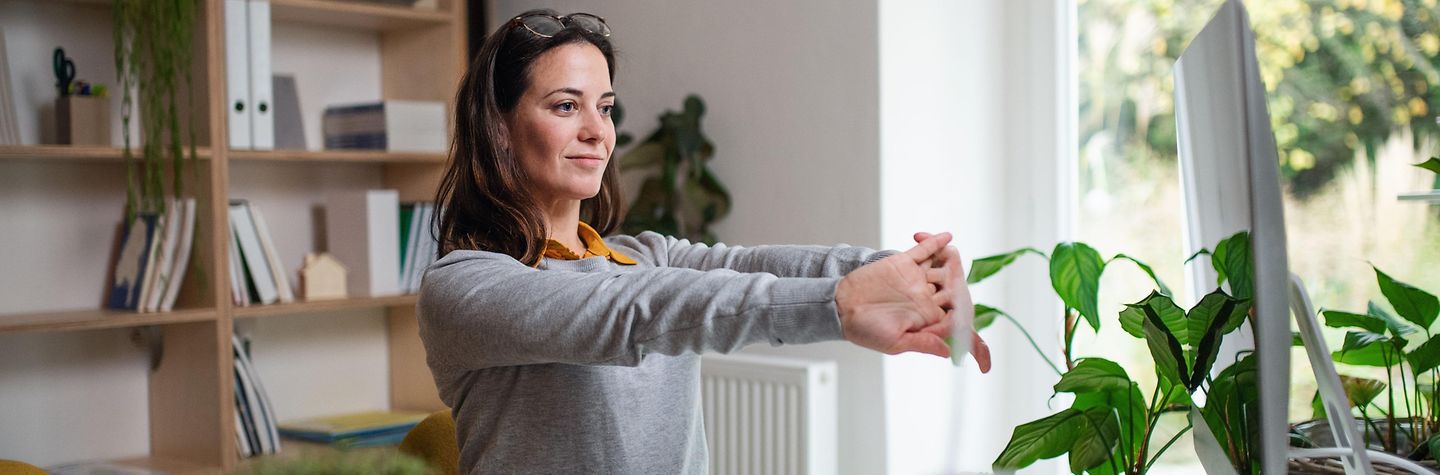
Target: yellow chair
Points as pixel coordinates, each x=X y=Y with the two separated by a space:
x=433 y=440
x=16 y=467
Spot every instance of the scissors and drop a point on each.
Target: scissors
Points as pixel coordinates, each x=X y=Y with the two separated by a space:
x=64 y=71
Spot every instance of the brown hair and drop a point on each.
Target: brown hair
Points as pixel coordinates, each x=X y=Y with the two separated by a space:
x=483 y=202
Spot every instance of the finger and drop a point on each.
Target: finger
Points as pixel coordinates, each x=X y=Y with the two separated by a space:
x=937 y=275
x=945 y=299
x=927 y=248
x=943 y=328
x=921 y=236
x=932 y=314
x=981 y=352
x=922 y=343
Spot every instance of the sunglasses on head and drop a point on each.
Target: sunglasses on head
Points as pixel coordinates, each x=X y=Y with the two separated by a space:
x=549 y=25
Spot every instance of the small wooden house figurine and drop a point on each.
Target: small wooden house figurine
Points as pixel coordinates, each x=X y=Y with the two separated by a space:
x=322 y=277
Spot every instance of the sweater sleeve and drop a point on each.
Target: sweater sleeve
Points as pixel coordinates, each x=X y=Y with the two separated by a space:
x=783 y=261
x=480 y=309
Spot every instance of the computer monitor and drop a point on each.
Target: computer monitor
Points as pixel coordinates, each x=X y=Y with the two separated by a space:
x=1230 y=177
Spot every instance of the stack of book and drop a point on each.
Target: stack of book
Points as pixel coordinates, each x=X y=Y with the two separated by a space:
x=395 y=126
x=255 y=429
x=365 y=429
x=256 y=273
x=417 y=243
x=154 y=255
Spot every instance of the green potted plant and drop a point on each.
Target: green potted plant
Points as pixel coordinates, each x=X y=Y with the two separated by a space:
x=1406 y=422
x=1110 y=426
x=685 y=198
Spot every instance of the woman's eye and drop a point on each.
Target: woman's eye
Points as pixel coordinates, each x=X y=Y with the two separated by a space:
x=606 y=109
x=565 y=107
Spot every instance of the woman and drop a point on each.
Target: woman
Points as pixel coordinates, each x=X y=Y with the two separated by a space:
x=562 y=352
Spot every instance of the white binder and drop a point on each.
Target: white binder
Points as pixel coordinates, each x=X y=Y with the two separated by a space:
x=262 y=115
x=237 y=73
x=363 y=232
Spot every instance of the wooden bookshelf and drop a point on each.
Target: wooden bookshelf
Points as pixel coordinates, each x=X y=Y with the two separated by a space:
x=191 y=420
x=95 y=319
x=320 y=306
x=337 y=156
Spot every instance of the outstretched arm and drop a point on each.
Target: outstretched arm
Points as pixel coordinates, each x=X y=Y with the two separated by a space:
x=782 y=260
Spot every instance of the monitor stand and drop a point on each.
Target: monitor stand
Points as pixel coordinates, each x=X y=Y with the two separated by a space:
x=1349 y=446
x=1332 y=393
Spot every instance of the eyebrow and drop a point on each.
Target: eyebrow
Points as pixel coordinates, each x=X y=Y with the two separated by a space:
x=576 y=92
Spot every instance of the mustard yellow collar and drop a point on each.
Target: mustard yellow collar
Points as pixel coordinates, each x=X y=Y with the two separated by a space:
x=594 y=246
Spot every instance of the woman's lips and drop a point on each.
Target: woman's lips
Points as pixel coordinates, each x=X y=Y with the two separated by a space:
x=588 y=160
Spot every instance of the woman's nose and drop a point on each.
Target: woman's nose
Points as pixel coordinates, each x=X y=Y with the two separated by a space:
x=592 y=127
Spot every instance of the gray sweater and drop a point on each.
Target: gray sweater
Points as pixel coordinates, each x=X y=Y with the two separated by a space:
x=589 y=366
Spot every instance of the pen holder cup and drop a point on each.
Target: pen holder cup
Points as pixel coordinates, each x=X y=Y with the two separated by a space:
x=83 y=120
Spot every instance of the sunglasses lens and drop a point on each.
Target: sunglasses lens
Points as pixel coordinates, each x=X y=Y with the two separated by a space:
x=543 y=25
x=590 y=23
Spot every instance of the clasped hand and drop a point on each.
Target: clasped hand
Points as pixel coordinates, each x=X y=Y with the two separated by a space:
x=905 y=302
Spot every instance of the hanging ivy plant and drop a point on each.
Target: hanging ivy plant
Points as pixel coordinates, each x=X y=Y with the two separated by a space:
x=153 y=55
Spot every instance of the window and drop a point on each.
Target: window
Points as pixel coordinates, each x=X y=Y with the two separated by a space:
x=1352 y=92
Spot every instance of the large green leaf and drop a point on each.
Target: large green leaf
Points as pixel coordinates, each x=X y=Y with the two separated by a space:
x=1368 y=349
x=985 y=316
x=1232 y=260
x=1043 y=438
x=1425 y=357
x=1210 y=320
x=1433 y=164
x=1129 y=407
x=1133 y=316
x=1075 y=270
x=1093 y=375
x=1165 y=349
x=1148 y=271
x=1413 y=304
x=1338 y=319
x=1096 y=439
x=987 y=266
x=1397 y=326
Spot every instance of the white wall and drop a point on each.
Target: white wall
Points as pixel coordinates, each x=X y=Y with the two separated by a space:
x=972 y=124
x=793 y=108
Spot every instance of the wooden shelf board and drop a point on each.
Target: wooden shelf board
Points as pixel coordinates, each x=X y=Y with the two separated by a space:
x=365 y=16
x=92 y=319
x=324 y=306
x=167 y=465
x=79 y=153
x=357 y=156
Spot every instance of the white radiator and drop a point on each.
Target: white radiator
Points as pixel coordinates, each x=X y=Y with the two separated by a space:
x=766 y=414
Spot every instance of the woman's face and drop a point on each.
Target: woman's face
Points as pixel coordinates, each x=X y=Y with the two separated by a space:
x=561 y=129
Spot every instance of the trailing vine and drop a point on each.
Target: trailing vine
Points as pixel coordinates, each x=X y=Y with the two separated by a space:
x=153 y=57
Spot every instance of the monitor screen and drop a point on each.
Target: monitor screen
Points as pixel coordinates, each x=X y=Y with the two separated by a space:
x=1232 y=202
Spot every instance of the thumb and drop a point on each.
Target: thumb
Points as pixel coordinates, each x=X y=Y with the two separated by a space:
x=922 y=342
